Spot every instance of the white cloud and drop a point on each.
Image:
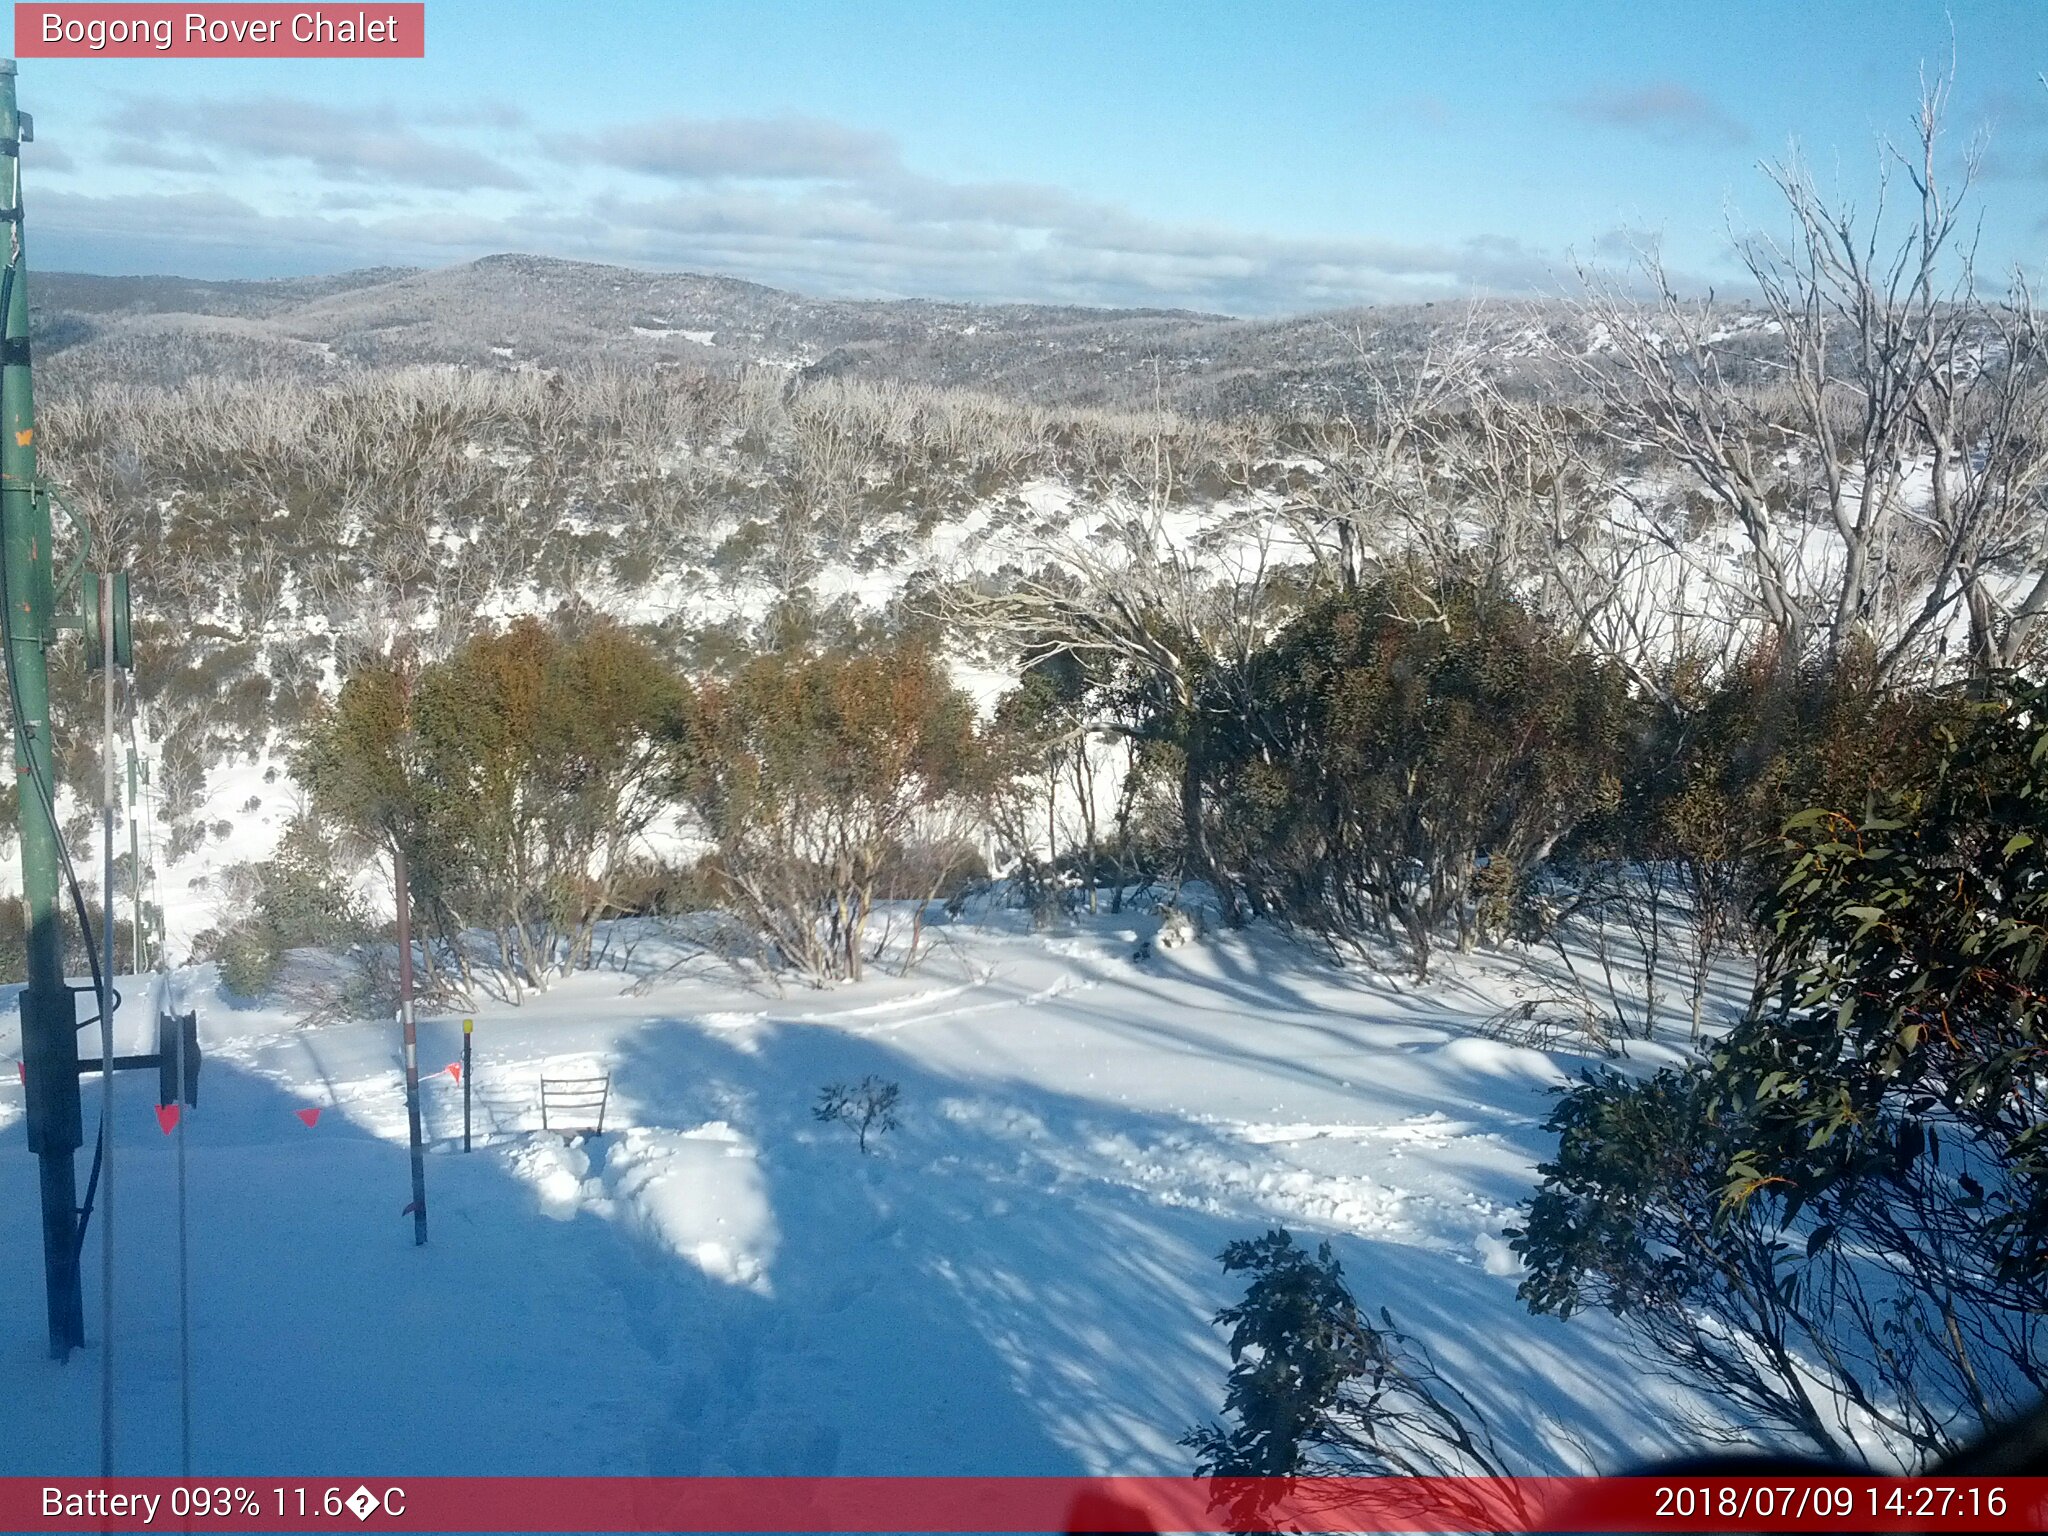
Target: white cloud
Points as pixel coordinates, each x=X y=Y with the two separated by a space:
x=806 y=203
x=366 y=145
x=1663 y=110
x=709 y=148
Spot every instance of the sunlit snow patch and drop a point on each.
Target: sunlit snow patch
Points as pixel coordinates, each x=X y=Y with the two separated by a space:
x=700 y=1194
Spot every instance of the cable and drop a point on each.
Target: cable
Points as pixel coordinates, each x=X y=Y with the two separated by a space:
x=92 y=1184
x=147 y=801
x=109 y=686
x=168 y=1001
x=168 y=995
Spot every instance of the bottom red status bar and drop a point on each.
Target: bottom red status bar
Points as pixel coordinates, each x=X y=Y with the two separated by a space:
x=1003 y=1504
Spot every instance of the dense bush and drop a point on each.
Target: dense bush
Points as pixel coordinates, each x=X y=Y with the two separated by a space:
x=1382 y=752
x=521 y=775
x=1674 y=861
x=1840 y=1219
x=518 y=776
x=1907 y=949
x=813 y=776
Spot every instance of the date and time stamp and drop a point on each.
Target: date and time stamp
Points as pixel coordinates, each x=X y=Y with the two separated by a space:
x=1684 y=1503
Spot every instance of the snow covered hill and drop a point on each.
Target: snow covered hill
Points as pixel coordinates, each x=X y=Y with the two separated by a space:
x=523 y=312
x=1019 y=1280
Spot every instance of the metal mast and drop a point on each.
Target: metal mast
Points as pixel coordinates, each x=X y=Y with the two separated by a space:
x=49 y=1028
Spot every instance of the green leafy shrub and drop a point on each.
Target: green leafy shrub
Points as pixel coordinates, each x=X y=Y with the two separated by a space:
x=250 y=958
x=813 y=774
x=1839 y=1222
x=1317 y=1389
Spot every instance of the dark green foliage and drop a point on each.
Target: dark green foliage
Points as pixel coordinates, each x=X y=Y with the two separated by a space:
x=1296 y=1342
x=1713 y=776
x=1317 y=1390
x=1630 y=1218
x=249 y=960
x=1838 y=1220
x=1670 y=865
x=355 y=761
x=1907 y=947
x=1378 y=752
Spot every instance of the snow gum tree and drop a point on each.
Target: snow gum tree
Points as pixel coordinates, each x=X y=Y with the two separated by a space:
x=1884 y=464
x=1382 y=755
x=518 y=776
x=810 y=774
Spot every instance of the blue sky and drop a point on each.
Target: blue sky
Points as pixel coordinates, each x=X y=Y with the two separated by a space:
x=1251 y=158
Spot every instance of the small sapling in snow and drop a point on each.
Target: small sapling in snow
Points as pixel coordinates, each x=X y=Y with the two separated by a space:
x=869 y=1106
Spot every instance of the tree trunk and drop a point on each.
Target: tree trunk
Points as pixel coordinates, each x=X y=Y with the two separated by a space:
x=1200 y=857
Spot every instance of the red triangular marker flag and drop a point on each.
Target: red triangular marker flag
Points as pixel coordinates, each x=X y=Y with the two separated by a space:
x=311 y=1115
x=455 y=1070
x=167 y=1117
x=22 y=1068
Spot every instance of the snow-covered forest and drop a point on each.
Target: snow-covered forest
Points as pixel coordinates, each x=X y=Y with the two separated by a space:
x=1544 y=799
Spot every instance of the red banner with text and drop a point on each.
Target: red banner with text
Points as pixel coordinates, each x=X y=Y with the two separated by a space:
x=1688 y=1503
x=102 y=31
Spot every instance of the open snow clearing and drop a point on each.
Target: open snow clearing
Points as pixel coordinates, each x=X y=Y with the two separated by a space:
x=1019 y=1279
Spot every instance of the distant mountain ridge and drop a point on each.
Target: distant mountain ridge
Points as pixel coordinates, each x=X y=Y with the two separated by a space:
x=540 y=312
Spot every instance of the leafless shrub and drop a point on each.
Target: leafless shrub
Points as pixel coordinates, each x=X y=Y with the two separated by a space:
x=1553 y=1021
x=869 y=1106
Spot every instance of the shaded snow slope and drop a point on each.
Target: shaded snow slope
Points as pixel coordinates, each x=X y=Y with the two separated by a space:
x=1021 y=1280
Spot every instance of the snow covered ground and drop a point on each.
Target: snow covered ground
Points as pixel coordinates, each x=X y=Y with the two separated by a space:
x=1019 y=1280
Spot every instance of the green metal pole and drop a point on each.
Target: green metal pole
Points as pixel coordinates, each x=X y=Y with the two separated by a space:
x=49 y=1018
